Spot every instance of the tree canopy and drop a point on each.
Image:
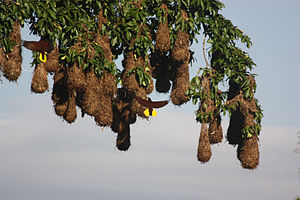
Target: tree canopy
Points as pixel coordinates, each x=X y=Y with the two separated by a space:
x=154 y=38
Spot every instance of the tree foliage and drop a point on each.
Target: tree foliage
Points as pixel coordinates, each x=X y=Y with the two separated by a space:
x=154 y=38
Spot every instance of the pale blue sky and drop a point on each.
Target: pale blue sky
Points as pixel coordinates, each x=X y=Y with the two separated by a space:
x=43 y=157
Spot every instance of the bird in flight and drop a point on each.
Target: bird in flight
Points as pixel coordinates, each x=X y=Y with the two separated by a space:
x=42 y=46
x=150 y=105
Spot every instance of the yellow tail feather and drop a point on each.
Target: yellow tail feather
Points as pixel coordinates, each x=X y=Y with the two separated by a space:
x=43 y=57
x=154 y=113
x=147 y=113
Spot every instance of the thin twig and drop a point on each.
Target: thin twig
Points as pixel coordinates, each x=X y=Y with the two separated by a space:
x=207 y=64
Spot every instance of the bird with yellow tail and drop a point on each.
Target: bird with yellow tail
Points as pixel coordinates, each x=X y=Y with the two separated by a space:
x=149 y=104
x=42 y=46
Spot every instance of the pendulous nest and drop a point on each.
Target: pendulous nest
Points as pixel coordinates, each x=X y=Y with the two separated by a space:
x=204 y=148
x=181 y=51
x=11 y=63
x=248 y=153
x=70 y=114
x=60 y=92
x=39 y=83
x=162 y=41
x=131 y=84
x=215 y=132
x=180 y=85
x=52 y=64
x=160 y=72
x=123 y=138
x=76 y=78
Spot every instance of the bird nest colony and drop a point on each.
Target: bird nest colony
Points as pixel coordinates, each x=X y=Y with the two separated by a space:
x=79 y=46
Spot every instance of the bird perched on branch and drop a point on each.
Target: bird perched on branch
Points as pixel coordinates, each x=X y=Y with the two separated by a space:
x=42 y=46
x=150 y=105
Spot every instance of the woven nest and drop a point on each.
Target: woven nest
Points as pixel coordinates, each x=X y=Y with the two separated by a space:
x=39 y=83
x=215 y=132
x=181 y=51
x=242 y=117
x=11 y=63
x=60 y=92
x=248 y=153
x=162 y=41
x=180 y=85
x=70 y=114
x=123 y=139
x=104 y=114
x=204 y=148
x=91 y=100
x=234 y=132
x=122 y=110
x=76 y=78
x=160 y=63
x=130 y=82
x=52 y=64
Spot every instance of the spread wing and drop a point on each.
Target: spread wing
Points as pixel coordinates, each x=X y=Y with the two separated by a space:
x=39 y=46
x=159 y=104
x=151 y=104
x=143 y=102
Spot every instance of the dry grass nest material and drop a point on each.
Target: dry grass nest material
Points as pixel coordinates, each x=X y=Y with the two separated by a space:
x=60 y=92
x=162 y=41
x=70 y=114
x=39 y=82
x=11 y=63
x=181 y=51
x=248 y=153
x=123 y=139
x=215 y=132
x=52 y=64
x=204 y=148
x=180 y=85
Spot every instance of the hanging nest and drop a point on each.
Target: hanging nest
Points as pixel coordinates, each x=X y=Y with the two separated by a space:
x=52 y=64
x=242 y=116
x=11 y=63
x=162 y=41
x=90 y=101
x=123 y=139
x=215 y=132
x=204 y=148
x=60 y=92
x=181 y=85
x=122 y=110
x=234 y=132
x=76 y=78
x=248 y=153
x=103 y=115
x=181 y=51
x=160 y=72
x=130 y=82
x=39 y=83
x=70 y=114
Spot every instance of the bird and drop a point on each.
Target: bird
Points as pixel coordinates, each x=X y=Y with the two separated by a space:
x=42 y=46
x=150 y=105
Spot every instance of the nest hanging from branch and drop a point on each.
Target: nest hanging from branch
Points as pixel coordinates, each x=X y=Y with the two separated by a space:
x=162 y=40
x=11 y=63
x=181 y=85
x=215 y=132
x=248 y=153
x=204 y=148
x=52 y=64
x=60 y=92
x=39 y=83
x=70 y=114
